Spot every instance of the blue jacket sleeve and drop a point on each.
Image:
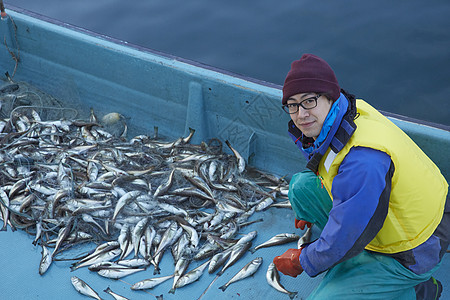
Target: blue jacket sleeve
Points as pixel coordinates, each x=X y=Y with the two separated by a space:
x=360 y=192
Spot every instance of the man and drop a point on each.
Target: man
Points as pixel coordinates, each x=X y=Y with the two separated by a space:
x=388 y=225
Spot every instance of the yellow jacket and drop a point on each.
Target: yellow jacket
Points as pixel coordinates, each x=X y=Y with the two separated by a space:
x=418 y=191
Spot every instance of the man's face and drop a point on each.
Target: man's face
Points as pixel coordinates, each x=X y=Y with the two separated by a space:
x=310 y=121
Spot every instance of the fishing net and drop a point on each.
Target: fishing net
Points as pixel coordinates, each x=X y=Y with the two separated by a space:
x=22 y=98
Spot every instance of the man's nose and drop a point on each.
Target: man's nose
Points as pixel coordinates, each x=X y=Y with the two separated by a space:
x=302 y=112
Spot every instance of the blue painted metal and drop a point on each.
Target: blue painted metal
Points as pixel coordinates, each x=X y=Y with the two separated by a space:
x=155 y=89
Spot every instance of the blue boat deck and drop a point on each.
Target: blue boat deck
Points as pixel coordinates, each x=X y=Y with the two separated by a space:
x=20 y=262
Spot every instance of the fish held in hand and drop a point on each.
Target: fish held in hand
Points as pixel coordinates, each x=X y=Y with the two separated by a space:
x=273 y=279
x=278 y=239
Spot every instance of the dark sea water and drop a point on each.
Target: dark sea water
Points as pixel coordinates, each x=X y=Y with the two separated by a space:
x=393 y=54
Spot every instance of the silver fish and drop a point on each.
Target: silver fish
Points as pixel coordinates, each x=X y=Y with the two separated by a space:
x=117 y=273
x=248 y=270
x=105 y=265
x=4 y=203
x=46 y=260
x=138 y=231
x=192 y=233
x=121 y=264
x=83 y=288
x=63 y=234
x=115 y=296
x=278 y=239
x=180 y=268
x=200 y=183
x=191 y=276
x=134 y=262
x=305 y=238
x=125 y=241
x=169 y=237
x=264 y=204
x=240 y=159
x=173 y=210
x=150 y=283
x=273 y=279
x=208 y=249
x=182 y=247
x=283 y=204
x=236 y=253
x=165 y=186
x=147 y=242
x=129 y=196
x=218 y=260
x=247 y=237
x=106 y=256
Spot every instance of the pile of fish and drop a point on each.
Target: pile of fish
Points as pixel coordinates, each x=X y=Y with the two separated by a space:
x=70 y=181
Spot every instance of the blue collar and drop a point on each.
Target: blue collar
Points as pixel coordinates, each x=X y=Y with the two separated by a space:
x=328 y=123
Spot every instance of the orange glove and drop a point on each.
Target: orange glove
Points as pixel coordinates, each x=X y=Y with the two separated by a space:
x=289 y=262
x=301 y=224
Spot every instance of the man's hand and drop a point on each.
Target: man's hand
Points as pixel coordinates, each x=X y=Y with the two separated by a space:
x=301 y=224
x=289 y=262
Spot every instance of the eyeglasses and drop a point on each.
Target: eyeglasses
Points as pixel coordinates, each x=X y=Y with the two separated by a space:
x=309 y=103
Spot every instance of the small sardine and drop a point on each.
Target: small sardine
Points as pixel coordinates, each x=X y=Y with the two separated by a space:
x=240 y=159
x=117 y=273
x=283 y=204
x=192 y=233
x=248 y=270
x=63 y=234
x=208 y=249
x=46 y=260
x=278 y=239
x=83 y=288
x=191 y=276
x=236 y=253
x=218 y=260
x=125 y=241
x=125 y=199
x=180 y=268
x=137 y=233
x=169 y=237
x=273 y=279
x=150 y=283
x=165 y=186
x=264 y=204
x=305 y=238
x=106 y=256
x=247 y=237
x=115 y=296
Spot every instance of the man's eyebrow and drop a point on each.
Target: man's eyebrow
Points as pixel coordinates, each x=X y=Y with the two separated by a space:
x=306 y=95
x=290 y=99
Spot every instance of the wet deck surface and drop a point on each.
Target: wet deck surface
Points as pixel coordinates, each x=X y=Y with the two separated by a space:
x=19 y=261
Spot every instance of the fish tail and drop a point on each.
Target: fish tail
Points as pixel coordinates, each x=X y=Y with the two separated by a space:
x=292 y=295
x=223 y=287
x=160 y=297
x=172 y=291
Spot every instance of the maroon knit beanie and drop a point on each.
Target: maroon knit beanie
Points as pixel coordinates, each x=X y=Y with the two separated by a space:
x=310 y=74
